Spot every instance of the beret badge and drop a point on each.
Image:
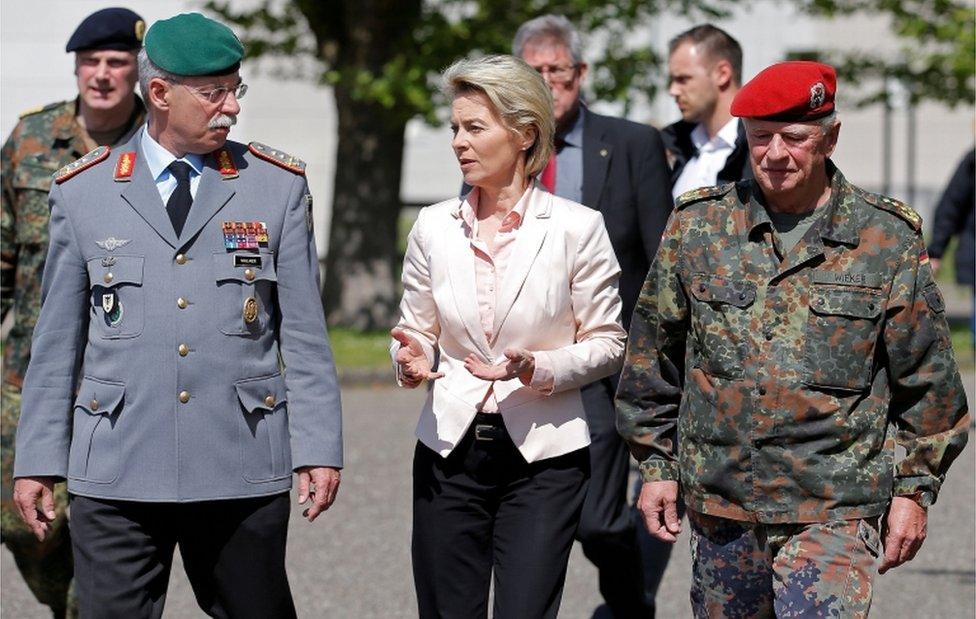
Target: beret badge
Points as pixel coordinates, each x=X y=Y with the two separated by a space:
x=140 y=30
x=817 y=94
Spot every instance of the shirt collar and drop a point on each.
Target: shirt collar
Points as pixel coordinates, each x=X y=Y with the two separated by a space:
x=725 y=137
x=467 y=210
x=158 y=158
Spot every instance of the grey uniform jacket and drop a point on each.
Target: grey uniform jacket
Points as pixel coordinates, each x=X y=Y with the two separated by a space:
x=102 y=399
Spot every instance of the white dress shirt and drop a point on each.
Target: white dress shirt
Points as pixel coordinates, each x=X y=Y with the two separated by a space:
x=702 y=170
x=158 y=159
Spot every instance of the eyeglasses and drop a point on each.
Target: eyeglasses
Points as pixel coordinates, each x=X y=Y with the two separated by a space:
x=558 y=72
x=217 y=95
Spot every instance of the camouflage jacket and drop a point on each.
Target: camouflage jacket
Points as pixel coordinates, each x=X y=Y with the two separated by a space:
x=776 y=391
x=41 y=143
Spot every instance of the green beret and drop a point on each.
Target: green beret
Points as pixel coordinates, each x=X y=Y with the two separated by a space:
x=191 y=44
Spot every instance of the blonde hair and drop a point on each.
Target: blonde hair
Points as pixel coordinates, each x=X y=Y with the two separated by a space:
x=519 y=95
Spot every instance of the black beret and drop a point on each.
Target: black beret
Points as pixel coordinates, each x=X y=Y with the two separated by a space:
x=114 y=28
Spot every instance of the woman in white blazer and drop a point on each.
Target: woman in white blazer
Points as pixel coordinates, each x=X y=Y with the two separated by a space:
x=511 y=293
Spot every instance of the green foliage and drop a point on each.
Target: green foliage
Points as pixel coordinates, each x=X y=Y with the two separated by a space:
x=354 y=349
x=937 y=61
x=402 y=74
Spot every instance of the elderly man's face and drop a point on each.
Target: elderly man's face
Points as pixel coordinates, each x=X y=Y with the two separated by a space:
x=196 y=124
x=564 y=77
x=693 y=82
x=785 y=156
x=106 y=77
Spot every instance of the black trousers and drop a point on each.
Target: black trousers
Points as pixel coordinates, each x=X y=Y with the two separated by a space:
x=607 y=530
x=484 y=509
x=233 y=552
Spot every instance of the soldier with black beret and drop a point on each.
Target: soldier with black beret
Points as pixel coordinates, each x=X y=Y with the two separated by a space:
x=181 y=372
x=106 y=111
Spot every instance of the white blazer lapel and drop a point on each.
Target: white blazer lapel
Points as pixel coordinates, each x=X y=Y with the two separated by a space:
x=460 y=268
x=531 y=235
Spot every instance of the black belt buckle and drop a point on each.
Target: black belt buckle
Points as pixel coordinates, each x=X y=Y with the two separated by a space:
x=485 y=432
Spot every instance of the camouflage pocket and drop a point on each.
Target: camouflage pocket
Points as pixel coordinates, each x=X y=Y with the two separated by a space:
x=841 y=337
x=31 y=184
x=720 y=319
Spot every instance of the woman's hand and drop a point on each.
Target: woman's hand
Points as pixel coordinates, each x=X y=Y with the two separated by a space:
x=520 y=364
x=414 y=366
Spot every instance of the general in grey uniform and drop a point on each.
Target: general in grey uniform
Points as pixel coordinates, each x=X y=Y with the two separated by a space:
x=181 y=368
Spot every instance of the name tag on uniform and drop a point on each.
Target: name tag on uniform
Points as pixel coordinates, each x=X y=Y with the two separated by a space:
x=847 y=278
x=244 y=260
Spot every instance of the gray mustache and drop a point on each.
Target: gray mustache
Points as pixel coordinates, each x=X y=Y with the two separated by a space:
x=223 y=121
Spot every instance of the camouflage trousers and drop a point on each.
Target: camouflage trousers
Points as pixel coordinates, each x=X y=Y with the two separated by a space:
x=46 y=566
x=742 y=569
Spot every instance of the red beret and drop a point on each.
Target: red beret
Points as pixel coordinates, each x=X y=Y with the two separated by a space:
x=793 y=91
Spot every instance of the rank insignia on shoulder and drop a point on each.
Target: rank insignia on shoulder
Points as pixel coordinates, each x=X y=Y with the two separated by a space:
x=124 y=167
x=244 y=234
x=896 y=207
x=702 y=193
x=225 y=164
x=74 y=168
x=277 y=157
x=41 y=108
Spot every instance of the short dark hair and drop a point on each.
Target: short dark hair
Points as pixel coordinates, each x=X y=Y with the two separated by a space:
x=714 y=42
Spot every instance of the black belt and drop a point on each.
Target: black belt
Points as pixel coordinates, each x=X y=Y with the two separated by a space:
x=489 y=427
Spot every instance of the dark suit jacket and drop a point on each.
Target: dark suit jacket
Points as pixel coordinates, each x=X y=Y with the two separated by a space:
x=625 y=177
x=677 y=139
x=954 y=216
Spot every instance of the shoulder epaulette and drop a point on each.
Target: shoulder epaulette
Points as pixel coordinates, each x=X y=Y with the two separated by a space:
x=277 y=157
x=41 y=108
x=896 y=207
x=80 y=165
x=702 y=193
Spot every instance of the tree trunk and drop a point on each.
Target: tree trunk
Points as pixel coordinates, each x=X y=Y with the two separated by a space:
x=361 y=289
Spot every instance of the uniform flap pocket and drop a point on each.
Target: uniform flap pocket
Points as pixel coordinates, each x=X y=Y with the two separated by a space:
x=840 y=302
x=112 y=270
x=99 y=397
x=261 y=393
x=723 y=290
x=244 y=266
x=934 y=298
x=33 y=176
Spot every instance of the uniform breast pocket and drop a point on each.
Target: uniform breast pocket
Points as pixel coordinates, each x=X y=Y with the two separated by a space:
x=841 y=337
x=246 y=288
x=94 y=454
x=720 y=318
x=117 y=296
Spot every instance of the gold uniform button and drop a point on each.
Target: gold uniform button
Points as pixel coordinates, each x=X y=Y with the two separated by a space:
x=180 y=259
x=108 y=278
x=184 y=350
x=269 y=401
x=94 y=405
x=184 y=396
x=249 y=274
x=181 y=303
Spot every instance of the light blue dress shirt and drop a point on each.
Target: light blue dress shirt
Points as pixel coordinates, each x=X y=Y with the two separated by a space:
x=158 y=160
x=569 y=162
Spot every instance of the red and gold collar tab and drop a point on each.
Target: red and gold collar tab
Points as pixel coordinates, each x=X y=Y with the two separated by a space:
x=125 y=166
x=225 y=164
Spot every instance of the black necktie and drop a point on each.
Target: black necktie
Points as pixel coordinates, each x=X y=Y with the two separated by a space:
x=179 y=202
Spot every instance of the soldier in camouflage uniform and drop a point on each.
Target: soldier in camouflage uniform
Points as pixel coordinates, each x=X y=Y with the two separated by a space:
x=107 y=111
x=788 y=337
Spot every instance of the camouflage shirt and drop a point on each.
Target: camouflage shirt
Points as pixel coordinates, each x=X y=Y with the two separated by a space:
x=40 y=144
x=776 y=390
